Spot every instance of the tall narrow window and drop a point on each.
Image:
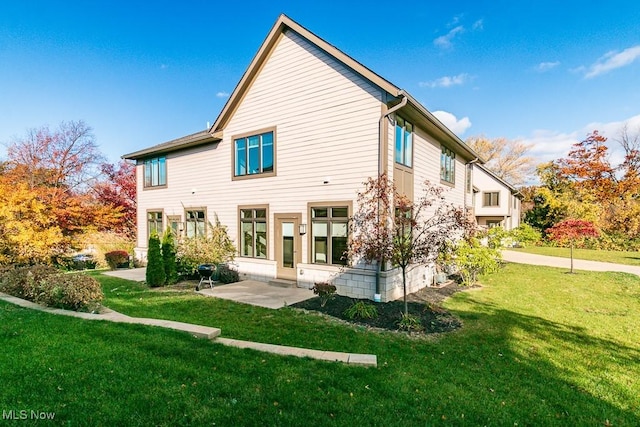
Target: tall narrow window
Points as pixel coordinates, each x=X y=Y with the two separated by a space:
x=195 y=223
x=253 y=233
x=404 y=142
x=254 y=154
x=329 y=234
x=155 y=172
x=154 y=223
x=447 y=165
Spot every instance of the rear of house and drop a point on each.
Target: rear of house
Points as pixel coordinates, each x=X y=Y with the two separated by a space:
x=282 y=165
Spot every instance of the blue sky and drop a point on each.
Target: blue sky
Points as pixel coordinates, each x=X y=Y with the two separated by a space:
x=142 y=73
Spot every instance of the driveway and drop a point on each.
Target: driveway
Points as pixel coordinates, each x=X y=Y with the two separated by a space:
x=578 y=264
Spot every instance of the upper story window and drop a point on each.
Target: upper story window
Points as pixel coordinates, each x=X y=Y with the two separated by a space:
x=491 y=198
x=404 y=142
x=155 y=172
x=254 y=154
x=448 y=165
x=329 y=234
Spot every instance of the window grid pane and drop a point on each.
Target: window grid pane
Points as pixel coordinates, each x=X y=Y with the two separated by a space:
x=254 y=154
x=329 y=235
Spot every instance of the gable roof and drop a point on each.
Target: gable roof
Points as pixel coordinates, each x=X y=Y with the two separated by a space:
x=513 y=189
x=283 y=24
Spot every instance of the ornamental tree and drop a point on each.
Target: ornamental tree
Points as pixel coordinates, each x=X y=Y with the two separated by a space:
x=390 y=227
x=570 y=231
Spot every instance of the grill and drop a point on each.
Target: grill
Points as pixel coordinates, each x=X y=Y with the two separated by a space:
x=206 y=271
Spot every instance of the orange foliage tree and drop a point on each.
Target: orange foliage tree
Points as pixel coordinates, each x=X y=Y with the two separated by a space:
x=571 y=230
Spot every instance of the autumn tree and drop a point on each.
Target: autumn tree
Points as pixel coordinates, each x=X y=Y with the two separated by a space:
x=390 y=227
x=571 y=231
x=504 y=157
x=118 y=190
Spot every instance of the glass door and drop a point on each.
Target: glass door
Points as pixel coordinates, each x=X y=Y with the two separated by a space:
x=288 y=247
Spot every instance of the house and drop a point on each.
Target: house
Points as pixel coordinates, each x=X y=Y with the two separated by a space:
x=283 y=162
x=495 y=201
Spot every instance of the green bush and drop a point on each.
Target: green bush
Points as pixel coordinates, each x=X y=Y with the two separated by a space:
x=361 y=310
x=472 y=259
x=214 y=248
x=524 y=235
x=169 y=257
x=227 y=275
x=325 y=291
x=23 y=282
x=155 y=269
x=70 y=291
x=116 y=259
x=410 y=322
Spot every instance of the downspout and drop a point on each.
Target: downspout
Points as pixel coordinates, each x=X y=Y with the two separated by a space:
x=377 y=297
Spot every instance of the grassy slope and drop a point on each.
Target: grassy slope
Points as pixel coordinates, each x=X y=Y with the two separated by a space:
x=554 y=349
x=618 y=257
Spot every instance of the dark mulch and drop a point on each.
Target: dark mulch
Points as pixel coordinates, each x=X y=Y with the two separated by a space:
x=425 y=304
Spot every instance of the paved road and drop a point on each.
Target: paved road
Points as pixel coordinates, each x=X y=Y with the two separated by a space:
x=578 y=264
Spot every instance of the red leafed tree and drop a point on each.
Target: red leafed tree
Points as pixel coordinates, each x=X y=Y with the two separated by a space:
x=119 y=191
x=390 y=227
x=571 y=230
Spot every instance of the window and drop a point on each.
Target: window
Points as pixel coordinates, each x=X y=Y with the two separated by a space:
x=329 y=234
x=195 y=220
x=447 y=165
x=253 y=233
x=491 y=198
x=155 y=172
x=154 y=223
x=493 y=223
x=404 y=142
x=175 y=222
x=469 y=179
x=254 y=155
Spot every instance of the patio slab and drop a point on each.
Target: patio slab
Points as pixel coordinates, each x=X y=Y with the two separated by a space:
x=258 y=293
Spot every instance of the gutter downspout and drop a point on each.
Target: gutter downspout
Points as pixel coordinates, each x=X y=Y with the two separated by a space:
x=377 y=297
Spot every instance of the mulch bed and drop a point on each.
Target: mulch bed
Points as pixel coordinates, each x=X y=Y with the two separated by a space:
x=425 y=304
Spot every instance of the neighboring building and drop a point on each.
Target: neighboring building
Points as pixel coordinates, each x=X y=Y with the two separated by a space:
x=281 y=166
x=495 y=201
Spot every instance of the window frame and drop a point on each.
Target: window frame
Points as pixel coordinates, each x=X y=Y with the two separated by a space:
x=329 y=221
x=187 y=221
x=161 y=162
x=161 y=230
x=406 y=153
x=490 y=204
x=246 y=136
x=447 y=166
x=253 y=220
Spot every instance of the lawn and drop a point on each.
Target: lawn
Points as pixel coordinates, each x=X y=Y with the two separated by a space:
x=538 y=347
x=618 y=257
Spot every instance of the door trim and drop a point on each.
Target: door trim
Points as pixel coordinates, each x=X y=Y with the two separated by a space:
x=286 y=272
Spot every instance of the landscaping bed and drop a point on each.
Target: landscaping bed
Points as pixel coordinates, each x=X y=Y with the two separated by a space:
x=424 y=304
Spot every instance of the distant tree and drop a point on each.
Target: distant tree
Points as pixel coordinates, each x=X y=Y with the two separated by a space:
x=389 y=227
x=169 y=257
x=155 y=275
x=118 y=190
x=506 y=158
x=570 y=231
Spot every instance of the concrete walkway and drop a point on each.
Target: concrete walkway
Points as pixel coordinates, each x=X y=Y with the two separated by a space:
x=578 y=264
x=205 y=332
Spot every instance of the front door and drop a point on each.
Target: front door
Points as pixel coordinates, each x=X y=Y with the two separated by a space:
x=288 y=246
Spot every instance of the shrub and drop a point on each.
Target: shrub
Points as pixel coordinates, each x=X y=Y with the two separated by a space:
x=472 y=259
x=409 y=322
x=325 y=291
x=361 y=310
x=169 y=257
x=116 y=259
x=155 y=270
x=524 y=235
x=101 y=242
x=70 y=291
x=23 y=282
x=214 y=248
x=227 y=275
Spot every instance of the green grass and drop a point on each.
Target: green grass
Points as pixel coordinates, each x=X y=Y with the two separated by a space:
x=538 y=347
x=618 y=257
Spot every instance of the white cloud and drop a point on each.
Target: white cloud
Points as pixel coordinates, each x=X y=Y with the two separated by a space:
x=546 y=66
x=613 y=60
x=447 y=81
x=222 y=94
x=478 y=25
x=445 y=42
x=451 y=121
